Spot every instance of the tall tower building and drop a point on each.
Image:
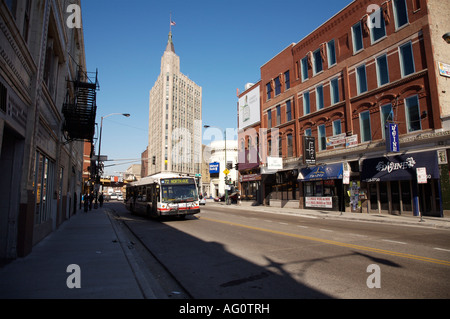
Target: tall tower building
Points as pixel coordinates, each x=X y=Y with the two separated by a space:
x=175 y=114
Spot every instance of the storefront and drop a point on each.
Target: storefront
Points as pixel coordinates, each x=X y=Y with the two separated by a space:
x=322 y=186
x=392 y=184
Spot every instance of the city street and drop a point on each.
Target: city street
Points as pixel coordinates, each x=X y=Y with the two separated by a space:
x=228 y=252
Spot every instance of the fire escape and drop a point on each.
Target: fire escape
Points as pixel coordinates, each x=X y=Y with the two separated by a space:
x=80 y=113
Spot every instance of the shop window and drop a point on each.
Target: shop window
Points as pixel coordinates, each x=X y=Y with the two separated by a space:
x=43 y=188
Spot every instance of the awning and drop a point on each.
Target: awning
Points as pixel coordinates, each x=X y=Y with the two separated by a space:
x=321 y=172
x=399 y=167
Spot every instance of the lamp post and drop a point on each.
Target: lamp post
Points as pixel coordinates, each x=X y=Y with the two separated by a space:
x=226 y=175
x=100 y=137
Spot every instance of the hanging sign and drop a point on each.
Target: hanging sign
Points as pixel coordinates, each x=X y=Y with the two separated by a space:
x=392 y=141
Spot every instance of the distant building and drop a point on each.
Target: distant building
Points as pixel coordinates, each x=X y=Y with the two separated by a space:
x=175 y=114
x=221 y=155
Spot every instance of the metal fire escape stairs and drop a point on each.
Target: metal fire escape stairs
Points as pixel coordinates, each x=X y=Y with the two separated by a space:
x=80 y=113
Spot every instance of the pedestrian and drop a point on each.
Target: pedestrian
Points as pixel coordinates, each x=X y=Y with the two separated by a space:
x=100 y=199
x=86 y=202
x=91 y=198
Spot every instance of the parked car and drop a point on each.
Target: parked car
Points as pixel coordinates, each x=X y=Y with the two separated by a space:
x=113 y=196
x=202 y=201
x=120 y=197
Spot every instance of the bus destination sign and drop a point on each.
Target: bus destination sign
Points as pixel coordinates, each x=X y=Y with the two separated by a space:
x=177 y=181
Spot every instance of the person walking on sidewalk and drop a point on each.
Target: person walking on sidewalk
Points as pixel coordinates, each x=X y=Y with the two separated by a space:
x=86 y=202
x=100 y=199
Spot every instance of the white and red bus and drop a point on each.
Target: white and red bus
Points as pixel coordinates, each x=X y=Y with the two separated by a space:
x=163 y=195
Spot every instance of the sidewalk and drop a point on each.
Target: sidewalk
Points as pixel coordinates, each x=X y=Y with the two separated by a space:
x=89 y=240
x=427 y=221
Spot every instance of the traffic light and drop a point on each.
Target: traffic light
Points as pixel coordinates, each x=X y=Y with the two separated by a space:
x=236 y=166
x=229 y=165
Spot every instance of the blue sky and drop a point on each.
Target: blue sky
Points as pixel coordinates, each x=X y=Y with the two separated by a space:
x=221 y=45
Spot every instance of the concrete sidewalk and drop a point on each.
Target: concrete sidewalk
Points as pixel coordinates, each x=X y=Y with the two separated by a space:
x=426 y=221
x=89 y=240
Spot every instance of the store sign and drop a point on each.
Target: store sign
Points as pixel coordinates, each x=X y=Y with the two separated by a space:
x=214 y=168
x=444 y=69
x=320 y=202
x=309 y=150
x=274 y=163
x=392 y=140
x=351 y=141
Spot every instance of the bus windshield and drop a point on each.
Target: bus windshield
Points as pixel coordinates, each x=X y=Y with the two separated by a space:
x=178 y=192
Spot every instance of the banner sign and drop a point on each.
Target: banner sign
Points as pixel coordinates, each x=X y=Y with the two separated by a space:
x=309 y=150
x=214 y=168
x=321 y=202
x=392 y=141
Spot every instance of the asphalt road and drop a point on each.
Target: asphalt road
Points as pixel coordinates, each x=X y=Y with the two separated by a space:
x=235 y=254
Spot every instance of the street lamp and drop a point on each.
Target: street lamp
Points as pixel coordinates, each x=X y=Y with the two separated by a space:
x=226 y=175
x=100 y=136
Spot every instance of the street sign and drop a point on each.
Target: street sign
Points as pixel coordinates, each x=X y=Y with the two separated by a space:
x=226 y=171
x=421 y=175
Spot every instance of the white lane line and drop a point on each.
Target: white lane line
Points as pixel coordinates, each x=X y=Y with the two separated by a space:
x=284 y=223
x=394 y=241
x=301 y=226
x=442 y=249
x=326 y=230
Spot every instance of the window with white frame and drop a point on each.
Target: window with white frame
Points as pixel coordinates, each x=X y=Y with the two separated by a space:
x=382 y=70
x=361 y=79
x=306 y=103
x=364 y=124
x=387 y=115
x=406 y=59
x=357 y=37
x=331 y=53
x=308 y=132
x=319 y=97
x=337 y=128
x=412 y=110
x=377 y=26
x=322 y=137
x=400 y=13
x=317 y=62
x=334 y=90
x=304 y=65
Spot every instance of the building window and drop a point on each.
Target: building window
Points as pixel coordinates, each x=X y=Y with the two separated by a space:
x=337 y=129
x=288 y=111
x=334 y=90
x=290 y=146
x=387 y=115
x=331 y=50
x=361 y=79
x=43 y=181
x=319 y=97
x=400 y=13
x=269 y=147
x=412 y=110
x=280 y=147
x=269 y=90
x=364 y=123
x=306 y=103
x=382 y=70
x=322 y=138
x=305 y=69
x=308 y=132
x=357 y=37
x=278 y=115
x=277 y=86
x=269 y=119
x=377 y=26
x=406 y=59
x=287 y=81
x=317 y=58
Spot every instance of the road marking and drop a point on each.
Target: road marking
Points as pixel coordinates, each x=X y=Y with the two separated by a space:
x=394 y=241
x=326 y=230
x=284 y=223
x=301 y=226
x=336 y=243
x=437 y=248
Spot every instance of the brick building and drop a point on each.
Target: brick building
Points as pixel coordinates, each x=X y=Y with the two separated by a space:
x=373 y=63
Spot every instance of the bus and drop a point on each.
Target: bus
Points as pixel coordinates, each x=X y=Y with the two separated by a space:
x=163 y=195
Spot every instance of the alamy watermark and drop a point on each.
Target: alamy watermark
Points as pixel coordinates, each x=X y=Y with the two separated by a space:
x=74 y=19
